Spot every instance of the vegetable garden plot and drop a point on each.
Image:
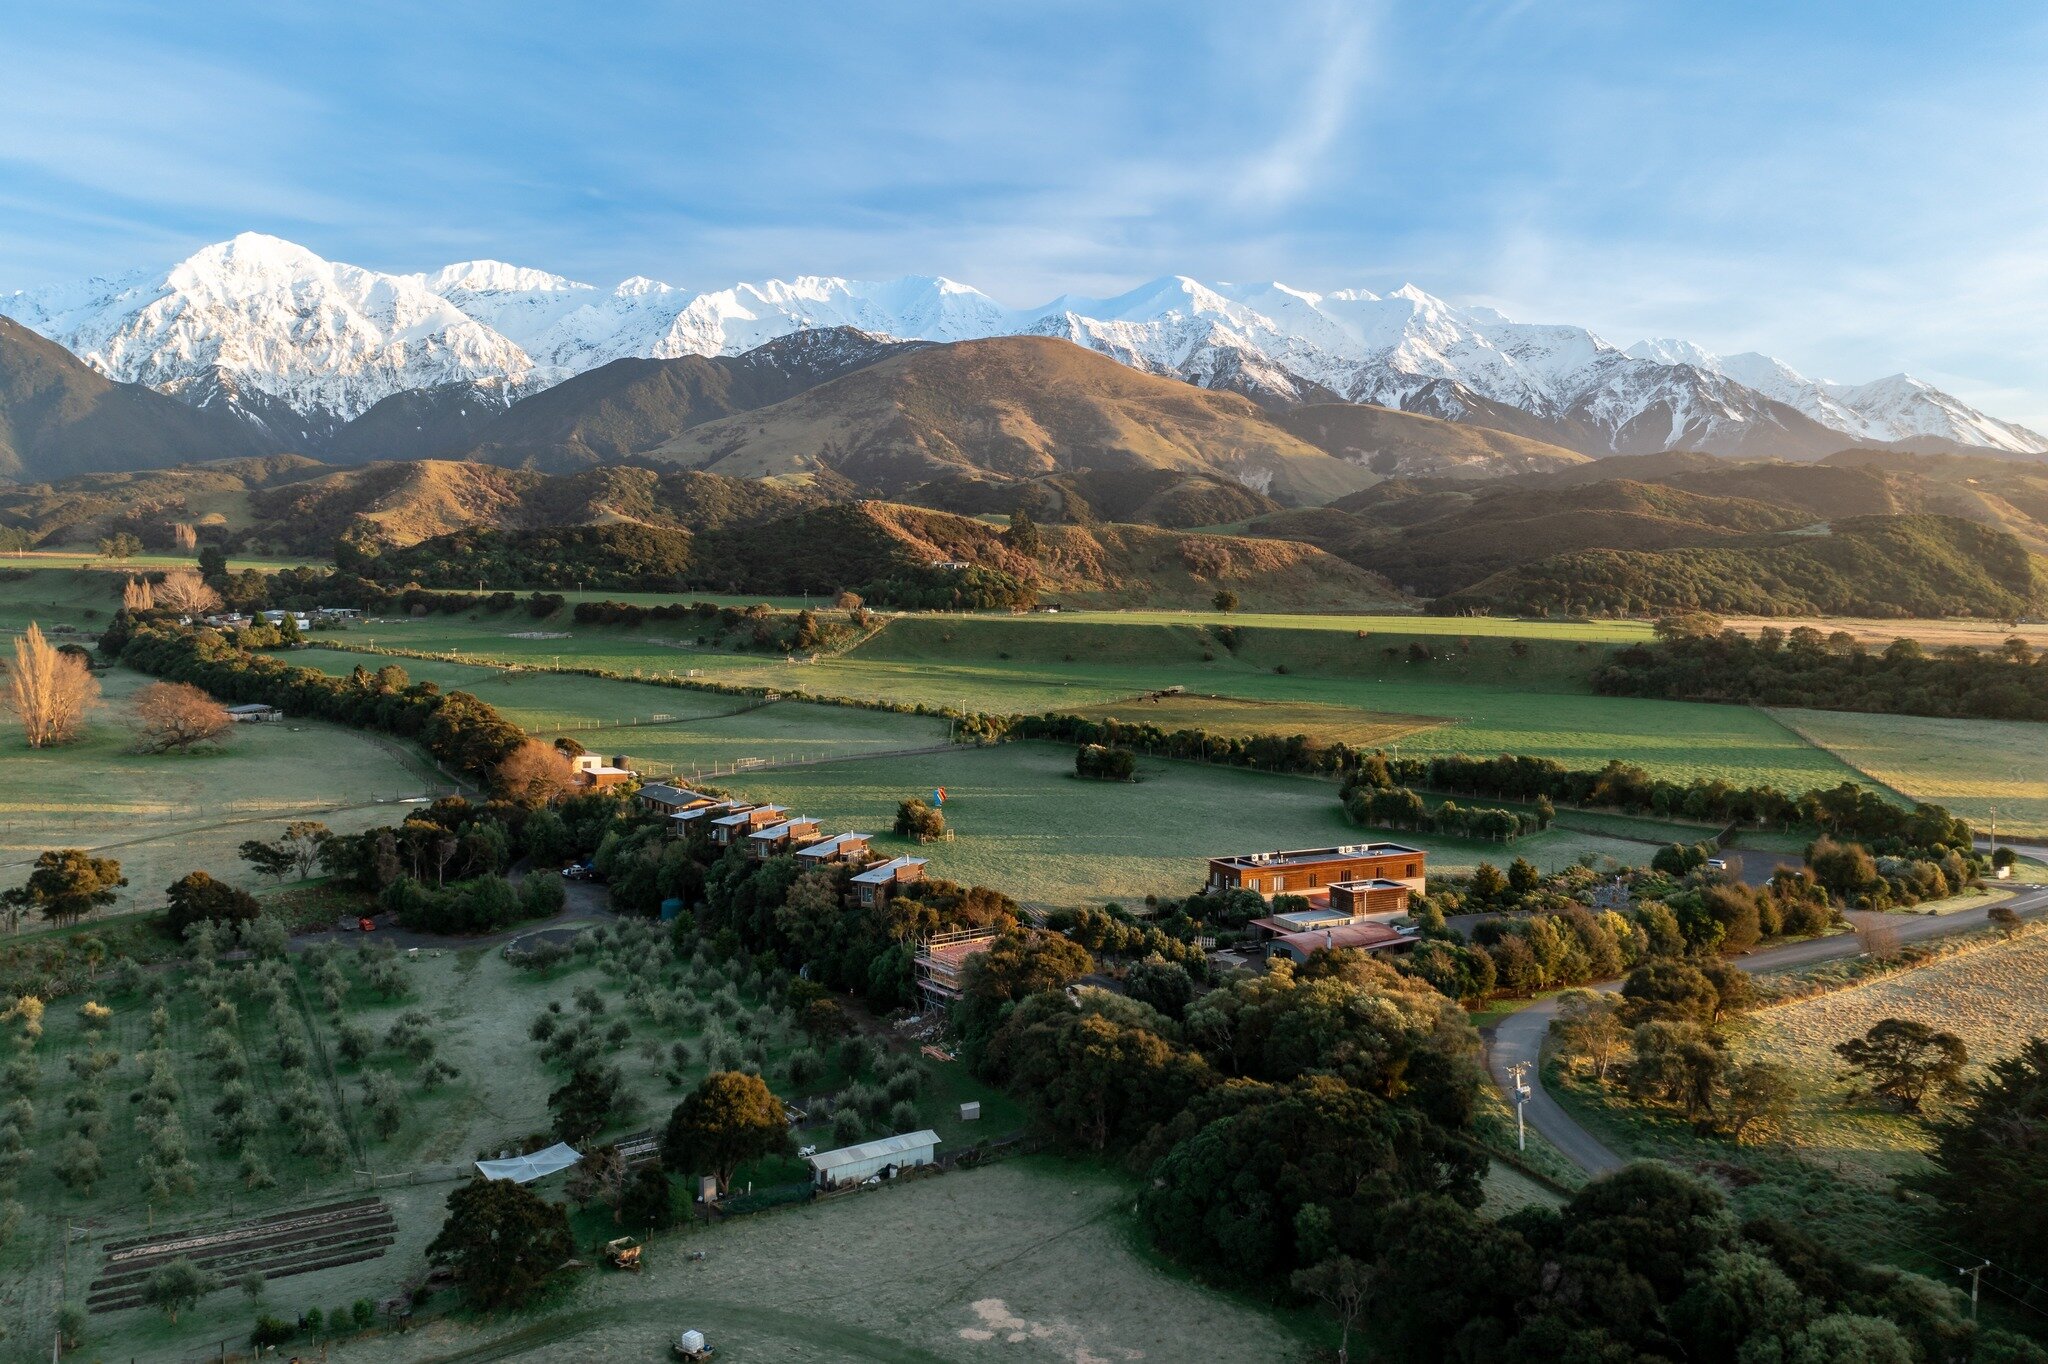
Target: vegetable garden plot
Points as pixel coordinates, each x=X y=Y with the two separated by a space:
x=277 y=1246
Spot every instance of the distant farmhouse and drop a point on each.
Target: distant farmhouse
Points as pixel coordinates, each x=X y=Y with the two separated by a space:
x=592 y=773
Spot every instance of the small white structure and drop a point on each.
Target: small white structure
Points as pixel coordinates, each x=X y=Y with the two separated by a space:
x=971 y=1111
x=855 y=1164
x=525 y=1169
x=254 y=712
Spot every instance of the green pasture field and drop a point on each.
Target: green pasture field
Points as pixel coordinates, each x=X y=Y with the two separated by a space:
x=701 y=730
x=1971 y=766
x=1032 y=1260
x=1024 y=824
x=162 y=815
x=1485 y=702
x=480 y=1008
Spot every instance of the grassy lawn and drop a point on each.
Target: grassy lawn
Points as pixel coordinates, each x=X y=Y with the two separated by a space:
x=1023 y=823
x=1034 y=1258
x=1970 y=766
x=163 y=815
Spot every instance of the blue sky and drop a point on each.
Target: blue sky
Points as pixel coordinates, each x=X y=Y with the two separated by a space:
x=1857 y=188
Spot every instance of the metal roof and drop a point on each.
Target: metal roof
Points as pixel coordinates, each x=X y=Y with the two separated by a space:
x=250 y=708
x=525 y=1169
x=663 y=792
x=873 y=1150
x=827 y=847
x=887 y=871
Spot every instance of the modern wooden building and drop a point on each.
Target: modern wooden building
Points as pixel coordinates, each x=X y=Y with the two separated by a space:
x=1311 y=872
x=787 y=836
x=873 y=887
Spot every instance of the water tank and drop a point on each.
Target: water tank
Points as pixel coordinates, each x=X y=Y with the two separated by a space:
x=670 y=908
x=691 y=1340
x=971 y=1112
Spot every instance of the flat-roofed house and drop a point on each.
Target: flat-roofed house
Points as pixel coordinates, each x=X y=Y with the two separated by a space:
x=874 y=886
x=1359 y=937
x=591 y=772
x=1311 y=872
x=837 y=848
x=727 y=828
x=776 y=839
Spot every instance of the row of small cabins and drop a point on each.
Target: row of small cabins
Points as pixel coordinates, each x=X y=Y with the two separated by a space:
x=767 y=831
x=1349 y=896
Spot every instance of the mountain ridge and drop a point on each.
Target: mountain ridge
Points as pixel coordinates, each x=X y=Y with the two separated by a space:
x=328 y=341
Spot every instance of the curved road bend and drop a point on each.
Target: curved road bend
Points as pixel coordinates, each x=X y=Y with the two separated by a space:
x=1518 y=1038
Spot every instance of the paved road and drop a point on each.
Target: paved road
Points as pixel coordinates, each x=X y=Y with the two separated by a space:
x=1518 y=1038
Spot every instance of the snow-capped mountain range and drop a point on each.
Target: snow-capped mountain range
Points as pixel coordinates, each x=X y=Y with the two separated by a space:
x=291 y=339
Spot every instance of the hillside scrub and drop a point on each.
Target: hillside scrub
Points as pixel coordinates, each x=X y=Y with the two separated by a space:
x=1879 y=566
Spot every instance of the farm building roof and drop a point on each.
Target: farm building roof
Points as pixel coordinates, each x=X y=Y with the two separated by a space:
x=668 y=795
x=873 y=1150
x=251 y=708
x=525 y=1169
x=887 y=871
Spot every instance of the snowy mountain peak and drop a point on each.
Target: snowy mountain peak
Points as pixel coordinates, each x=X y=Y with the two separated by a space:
x=490 y=277
x=269 y=327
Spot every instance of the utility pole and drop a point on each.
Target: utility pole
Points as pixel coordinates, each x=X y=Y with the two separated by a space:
x=1519 y=1073
x=1976 y=1274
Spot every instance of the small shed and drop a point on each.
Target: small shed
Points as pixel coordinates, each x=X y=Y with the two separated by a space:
x=853 y=1164
x=254 y=712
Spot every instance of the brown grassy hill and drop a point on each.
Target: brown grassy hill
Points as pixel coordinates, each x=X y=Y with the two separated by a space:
x=398 y=504
x=619 y=410
x=1397 y=444
x=1869 y=566
x=60 y=417
x=1501 y=527
x=1173 y=498
x=1019 y=407
x=2010 y=495
x=212 y=497
x=845 y=544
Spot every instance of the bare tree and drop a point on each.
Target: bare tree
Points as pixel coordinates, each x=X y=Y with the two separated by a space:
x=138 y=595
x=176 y=715
x=1879 y=940
x=184 y=591
x=48 y=690
x=534 y=773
